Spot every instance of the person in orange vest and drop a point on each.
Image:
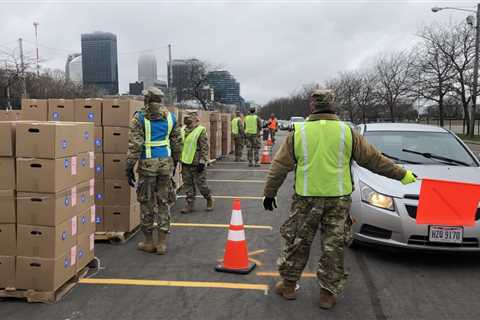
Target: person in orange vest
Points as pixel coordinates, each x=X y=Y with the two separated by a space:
x=272 y=125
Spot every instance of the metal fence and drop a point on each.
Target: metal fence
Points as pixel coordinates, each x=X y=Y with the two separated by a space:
x=458 y=126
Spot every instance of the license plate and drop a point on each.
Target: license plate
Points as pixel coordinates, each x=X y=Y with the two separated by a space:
x=445 y=234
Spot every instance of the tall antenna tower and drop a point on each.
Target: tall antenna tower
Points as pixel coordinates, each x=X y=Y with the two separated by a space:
x=35 y=25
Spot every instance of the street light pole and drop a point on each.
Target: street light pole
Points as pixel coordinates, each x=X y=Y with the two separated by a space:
x=472 y=109
x=471 y=128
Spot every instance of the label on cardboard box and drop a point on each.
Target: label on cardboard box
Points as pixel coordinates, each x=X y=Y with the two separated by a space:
x=74 y=196
x=73 y=255
x=74 y=226
x=92 y=159
x=92 y=187
x=92 y=214
x=74 y=165
x=92 y=241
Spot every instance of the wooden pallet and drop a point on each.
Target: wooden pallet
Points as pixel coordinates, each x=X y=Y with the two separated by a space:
x=49 y=297
x=115 y=237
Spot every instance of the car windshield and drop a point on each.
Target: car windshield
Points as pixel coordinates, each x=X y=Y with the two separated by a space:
x=430 y=148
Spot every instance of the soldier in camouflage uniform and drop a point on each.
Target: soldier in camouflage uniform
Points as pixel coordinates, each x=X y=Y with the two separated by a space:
x=253 y=130
x=322 y=194
x=194 y=160
x=238 y=133
x=155 y=166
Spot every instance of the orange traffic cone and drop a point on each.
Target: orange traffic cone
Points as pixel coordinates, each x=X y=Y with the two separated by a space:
x=269 y=140
x=265 y=155
x=235 y=259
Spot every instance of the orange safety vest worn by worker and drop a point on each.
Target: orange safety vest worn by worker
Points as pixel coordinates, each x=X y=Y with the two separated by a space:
x=273 y=124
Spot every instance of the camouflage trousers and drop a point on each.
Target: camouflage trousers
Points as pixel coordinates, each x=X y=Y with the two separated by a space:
x=238 y=141
x=154 y=196
x=307 y=215
x=192 y=179
x=253 y=147
x=272 y=134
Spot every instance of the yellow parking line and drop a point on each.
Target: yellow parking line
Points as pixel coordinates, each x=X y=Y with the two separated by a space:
x=235 y=181
x=186 y=284
x=230 y=162
x=211 y=225
x=276 y=274
x=254 y=253
x=230 y=197
x=237 y=170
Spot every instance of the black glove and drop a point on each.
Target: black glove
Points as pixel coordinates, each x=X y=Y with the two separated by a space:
x=131 y=175
x=200 y=167
x=269 y=203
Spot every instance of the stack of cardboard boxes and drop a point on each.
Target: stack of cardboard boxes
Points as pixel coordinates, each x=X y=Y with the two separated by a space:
x=90 y=110
x=121 y=212
x=226 y=134
x=51 y=235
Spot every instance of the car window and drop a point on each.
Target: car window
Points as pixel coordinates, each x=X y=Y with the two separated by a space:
x=437 y=143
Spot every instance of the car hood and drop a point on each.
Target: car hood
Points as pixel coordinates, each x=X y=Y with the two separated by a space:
x=397 y=189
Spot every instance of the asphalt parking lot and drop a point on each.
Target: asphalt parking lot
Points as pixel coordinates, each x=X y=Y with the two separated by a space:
x=383 y=284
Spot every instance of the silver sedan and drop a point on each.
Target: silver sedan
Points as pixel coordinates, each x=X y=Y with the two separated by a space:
x=384 y=211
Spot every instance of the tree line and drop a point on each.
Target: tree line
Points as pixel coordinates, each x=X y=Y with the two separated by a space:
x=435 y=77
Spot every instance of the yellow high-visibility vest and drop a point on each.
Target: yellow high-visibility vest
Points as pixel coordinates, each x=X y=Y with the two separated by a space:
x=251 y=124
x=323 y=150
x=190 y=144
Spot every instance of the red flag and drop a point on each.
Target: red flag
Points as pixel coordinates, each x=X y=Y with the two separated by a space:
x=448 y=203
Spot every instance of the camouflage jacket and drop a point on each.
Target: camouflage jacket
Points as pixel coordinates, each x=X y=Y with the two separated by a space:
x=201 y=154
x=363 y=153
x=136 y=137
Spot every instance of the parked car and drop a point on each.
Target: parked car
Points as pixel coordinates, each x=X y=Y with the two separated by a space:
x=283 y=124
x=384 y=210
x=295 y=119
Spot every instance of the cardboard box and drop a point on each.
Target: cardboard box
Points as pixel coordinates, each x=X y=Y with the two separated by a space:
x=85 y=166
x=7 y=272
x=44 y=209
x=115 y=140
x=121 y=218
x=85 y=138
x=99 y=166
x=99 y=226
x=61 y=110
x=98 y=139
x=10 y=115
x=46 y=175
x=45 y=274
x=48 y=140
x=7 y=139
x=46 y=242
x=118 y=192
x=8 y=240
x=85 y=250
x=89 y=110
x=86 y=221
x=115 y=164
x=7 y=173
x=85 y=196
x=99 y=192
x=117 y=113
x=7 y=206
x=35 y=109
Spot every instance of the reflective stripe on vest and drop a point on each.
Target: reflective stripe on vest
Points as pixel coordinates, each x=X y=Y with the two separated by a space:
x=149 y=144
x=323 y=150
x=190 y=145
x=235 y=125
x=251 y=124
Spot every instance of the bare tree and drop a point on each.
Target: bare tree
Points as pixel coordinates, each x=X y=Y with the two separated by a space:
x=12 y=73
x=346 y=88
x=394 y=74
x=365 y=95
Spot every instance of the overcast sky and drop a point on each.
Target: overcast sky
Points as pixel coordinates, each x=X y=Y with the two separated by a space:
x=271 y=47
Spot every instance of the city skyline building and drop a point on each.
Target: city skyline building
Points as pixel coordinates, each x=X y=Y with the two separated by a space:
x=147 y=70
x=225 y=87
x=100 y=61
x=70 y=57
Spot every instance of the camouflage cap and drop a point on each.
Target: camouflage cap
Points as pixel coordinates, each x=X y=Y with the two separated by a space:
x=153 y=92
x=190 y=113
x=323 y=99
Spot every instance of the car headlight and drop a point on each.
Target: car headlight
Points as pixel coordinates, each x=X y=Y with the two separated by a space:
x=376 y=199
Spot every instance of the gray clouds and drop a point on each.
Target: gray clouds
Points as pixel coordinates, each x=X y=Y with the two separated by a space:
x=271 y=48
